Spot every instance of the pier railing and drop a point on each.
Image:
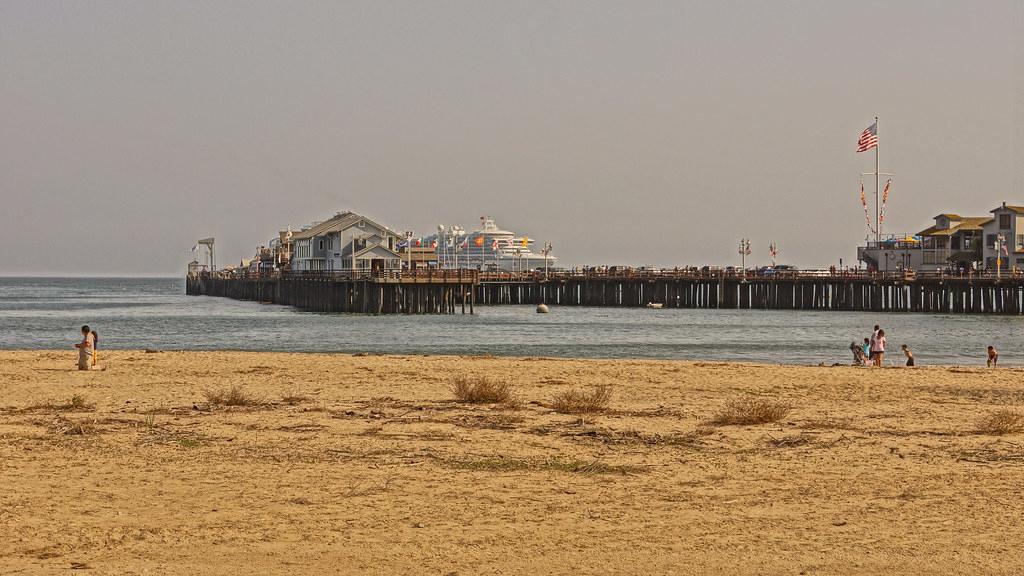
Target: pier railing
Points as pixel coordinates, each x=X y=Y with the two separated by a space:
x=420 y=275
x=469 y=276
x=738 y=275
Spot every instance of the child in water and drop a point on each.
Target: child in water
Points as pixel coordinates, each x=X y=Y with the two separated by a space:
x=993 y=356
x=909 y=355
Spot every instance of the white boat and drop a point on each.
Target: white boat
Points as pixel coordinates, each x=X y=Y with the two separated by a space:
x=488 y=248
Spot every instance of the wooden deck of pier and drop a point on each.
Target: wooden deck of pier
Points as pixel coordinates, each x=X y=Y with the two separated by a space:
x=450 y=291
x=808 y=290
x=416 y=292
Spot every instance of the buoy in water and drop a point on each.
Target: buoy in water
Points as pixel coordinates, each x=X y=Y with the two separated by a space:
x=542 y=308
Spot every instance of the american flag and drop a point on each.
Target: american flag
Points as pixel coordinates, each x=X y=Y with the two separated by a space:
x=868 y=138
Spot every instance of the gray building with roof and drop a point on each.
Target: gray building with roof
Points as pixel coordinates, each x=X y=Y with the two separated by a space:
x=347 y=241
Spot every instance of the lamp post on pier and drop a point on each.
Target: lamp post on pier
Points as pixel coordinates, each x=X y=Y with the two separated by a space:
x=460 y=242
x=408 y=249
x=545 y=252
x=744 y=252
x=1000 y=245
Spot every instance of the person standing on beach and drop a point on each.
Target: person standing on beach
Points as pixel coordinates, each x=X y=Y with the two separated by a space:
x=87 y=350
x=878 y=347
x=871 y=343
x=993 y=357
x=909 y=355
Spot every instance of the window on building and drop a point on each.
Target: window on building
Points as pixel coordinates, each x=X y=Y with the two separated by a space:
x=990 y=240
x=321 y=244
x=1020 y=242
x=1004 y=221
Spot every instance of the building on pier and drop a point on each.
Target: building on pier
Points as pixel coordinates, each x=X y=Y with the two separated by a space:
x=1006 y=222
x=347 y=241
x=952 y=242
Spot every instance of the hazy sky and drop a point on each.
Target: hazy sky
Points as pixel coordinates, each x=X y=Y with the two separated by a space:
x=622 y=132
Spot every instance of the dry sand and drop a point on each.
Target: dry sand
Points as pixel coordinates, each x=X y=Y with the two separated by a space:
x=372 y=468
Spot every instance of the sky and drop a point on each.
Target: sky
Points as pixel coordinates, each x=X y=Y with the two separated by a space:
x=642 y=133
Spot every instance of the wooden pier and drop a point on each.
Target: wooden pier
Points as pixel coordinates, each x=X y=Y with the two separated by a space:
x=453 y=291
x=418 y=292
x=809 y=290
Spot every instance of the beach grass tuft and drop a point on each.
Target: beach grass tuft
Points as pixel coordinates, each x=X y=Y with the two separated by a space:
x=77 y=403
x=68 y=427
x=1000 y=423
x=483 y=390
x=293 y=397
x=747 y=411
x=577 y=401
x=236 y=395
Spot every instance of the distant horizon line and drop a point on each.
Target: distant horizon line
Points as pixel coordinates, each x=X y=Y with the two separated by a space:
x=122 y=275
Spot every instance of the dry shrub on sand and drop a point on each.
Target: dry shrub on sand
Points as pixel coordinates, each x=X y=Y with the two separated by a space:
x=577 y=401
x=77 y=403
x=741 y=411
x=293 y=397
x=1001 y=422
x=67 y=427
x=483 y=390
x=233 y=396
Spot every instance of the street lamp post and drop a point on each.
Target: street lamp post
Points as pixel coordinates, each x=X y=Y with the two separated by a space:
x=546 y=251
x=1000 y=242
x=457 y=234
x=408 y=249
x=744 y=252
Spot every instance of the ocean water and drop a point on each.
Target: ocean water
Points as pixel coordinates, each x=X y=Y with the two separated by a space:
x=46 y=313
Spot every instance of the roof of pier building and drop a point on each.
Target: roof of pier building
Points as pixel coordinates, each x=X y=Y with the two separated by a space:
x=962 y=224
x=1017 y=209
x=340 y=221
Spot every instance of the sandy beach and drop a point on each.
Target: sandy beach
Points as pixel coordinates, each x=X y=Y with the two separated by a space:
x=368 y=465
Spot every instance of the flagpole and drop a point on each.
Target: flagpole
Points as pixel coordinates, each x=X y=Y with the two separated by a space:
x=878 y=210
